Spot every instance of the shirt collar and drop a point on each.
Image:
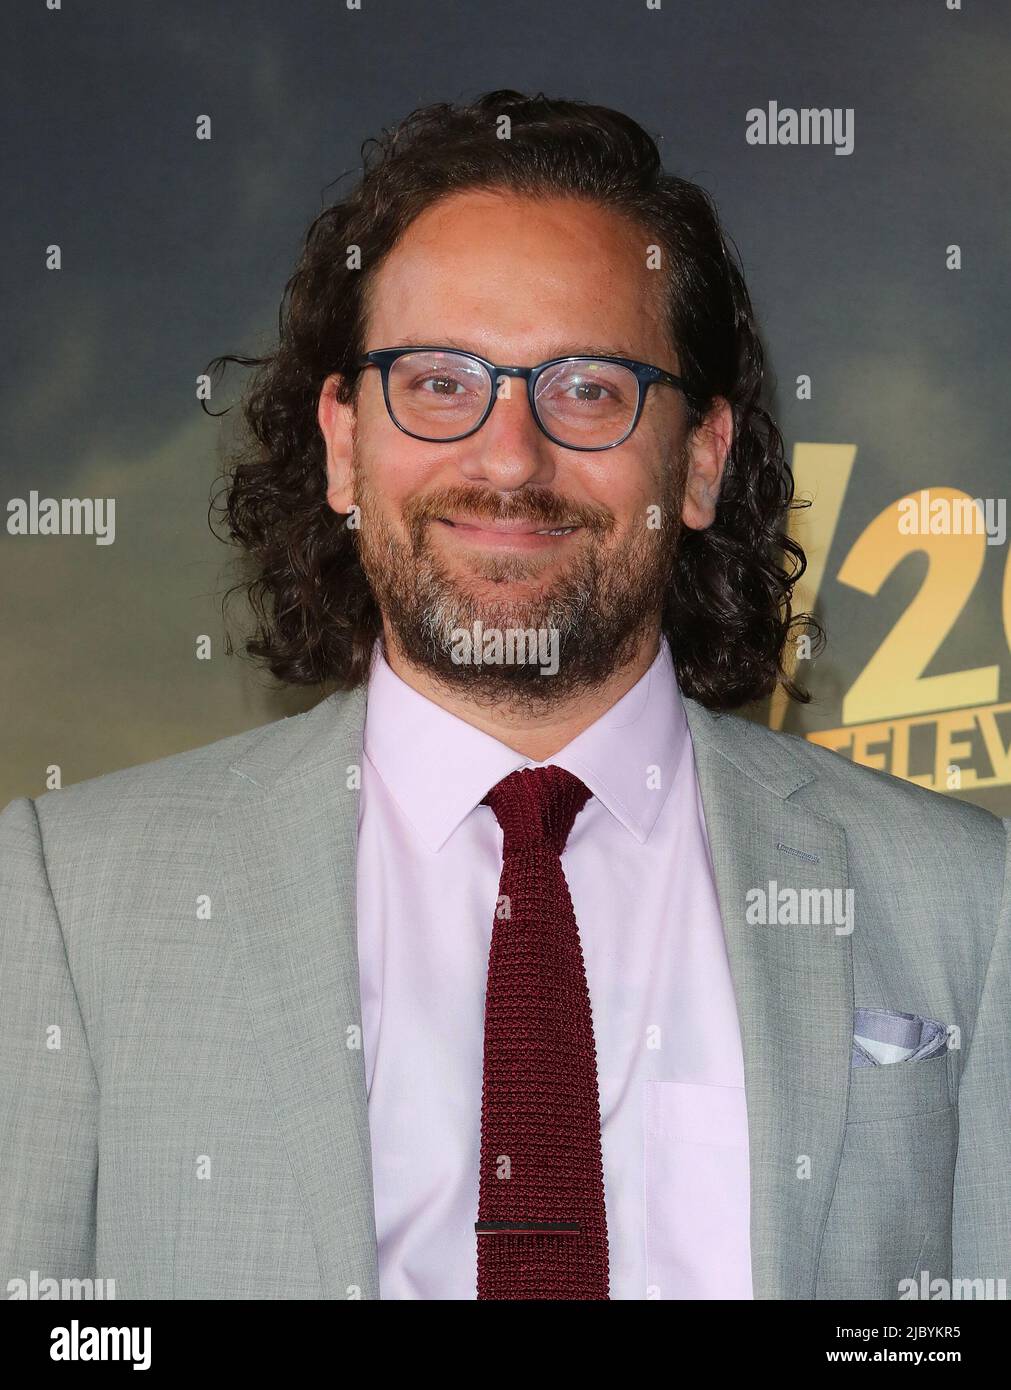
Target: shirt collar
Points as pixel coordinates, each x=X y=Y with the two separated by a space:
x=437 y=767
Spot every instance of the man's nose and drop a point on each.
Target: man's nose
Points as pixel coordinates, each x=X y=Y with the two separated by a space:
x=509 y=450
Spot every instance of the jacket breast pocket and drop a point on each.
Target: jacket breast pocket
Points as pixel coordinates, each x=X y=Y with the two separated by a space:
x=891 y=1210
x=897 y=1089
x=697 y=1191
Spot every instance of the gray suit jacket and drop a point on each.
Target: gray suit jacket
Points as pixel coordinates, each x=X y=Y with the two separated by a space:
x=198 y=1127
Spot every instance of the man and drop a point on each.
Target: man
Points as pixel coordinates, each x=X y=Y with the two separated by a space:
x=476 y=981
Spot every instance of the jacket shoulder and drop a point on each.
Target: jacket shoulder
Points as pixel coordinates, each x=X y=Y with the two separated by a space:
x=199 y=780
x=174 y=799
x=860 y=793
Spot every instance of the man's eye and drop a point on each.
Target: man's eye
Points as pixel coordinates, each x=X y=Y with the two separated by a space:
x=586 y=393
x=441 y=385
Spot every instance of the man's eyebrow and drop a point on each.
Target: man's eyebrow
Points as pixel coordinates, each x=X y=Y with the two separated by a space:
x=553 y=350
x=589 y=350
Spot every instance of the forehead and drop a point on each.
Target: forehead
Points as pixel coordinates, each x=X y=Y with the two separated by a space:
x=501 y=273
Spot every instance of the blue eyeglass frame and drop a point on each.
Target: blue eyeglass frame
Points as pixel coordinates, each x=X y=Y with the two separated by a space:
x=645 y=375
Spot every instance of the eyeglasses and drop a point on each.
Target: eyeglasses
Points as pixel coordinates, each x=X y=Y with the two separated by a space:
x=440 y=395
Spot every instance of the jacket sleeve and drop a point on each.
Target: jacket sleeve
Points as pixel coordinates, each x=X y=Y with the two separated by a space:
x=48 y=1086
x=981 y=1209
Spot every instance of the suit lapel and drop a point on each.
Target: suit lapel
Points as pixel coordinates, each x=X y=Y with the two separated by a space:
x=794 y=989
x=290 y=845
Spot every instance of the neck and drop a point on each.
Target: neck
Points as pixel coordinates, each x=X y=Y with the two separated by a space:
x=537 y=736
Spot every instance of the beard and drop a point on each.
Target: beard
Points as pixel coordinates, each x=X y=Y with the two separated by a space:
x=603 y=601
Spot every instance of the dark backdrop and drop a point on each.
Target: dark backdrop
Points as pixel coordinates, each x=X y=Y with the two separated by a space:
x=173 y=248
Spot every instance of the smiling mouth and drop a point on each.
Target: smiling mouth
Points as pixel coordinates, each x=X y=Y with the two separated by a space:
x=514 y=528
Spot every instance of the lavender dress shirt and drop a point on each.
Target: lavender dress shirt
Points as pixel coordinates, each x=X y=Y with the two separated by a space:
x=674 y=1130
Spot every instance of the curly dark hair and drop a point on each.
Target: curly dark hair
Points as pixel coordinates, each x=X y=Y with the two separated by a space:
x=727 y=609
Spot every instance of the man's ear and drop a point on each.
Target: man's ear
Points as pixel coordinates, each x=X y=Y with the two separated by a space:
x=707 y=454
x=336 y=422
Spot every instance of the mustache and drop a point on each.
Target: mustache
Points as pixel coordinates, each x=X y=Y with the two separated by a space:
x=485 y=504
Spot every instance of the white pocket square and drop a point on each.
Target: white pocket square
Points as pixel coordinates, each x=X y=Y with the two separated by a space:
x=882 y=1036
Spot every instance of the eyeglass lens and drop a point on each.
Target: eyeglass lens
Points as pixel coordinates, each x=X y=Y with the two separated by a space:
x=585 y=403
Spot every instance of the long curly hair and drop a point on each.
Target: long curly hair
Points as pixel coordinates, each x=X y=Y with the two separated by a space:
x=727 y=610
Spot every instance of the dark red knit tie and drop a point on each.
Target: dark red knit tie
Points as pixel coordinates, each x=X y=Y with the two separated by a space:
x=542 y=1227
